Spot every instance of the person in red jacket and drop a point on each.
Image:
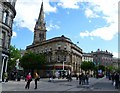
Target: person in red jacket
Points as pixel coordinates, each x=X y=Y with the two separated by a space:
x=28 y=79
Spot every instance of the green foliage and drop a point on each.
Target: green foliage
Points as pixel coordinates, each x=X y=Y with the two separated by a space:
x=101 y=67
x=87 y=66
x=32 y=61
x=14 y=55
x=110 y=68
x=118 y=70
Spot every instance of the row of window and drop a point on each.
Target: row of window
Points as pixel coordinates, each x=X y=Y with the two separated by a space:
x=59 y=58
x=64 y=58
x=88 y=58
x=50 y=49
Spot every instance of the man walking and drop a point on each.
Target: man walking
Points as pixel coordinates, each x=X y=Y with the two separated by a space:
x=116 y=80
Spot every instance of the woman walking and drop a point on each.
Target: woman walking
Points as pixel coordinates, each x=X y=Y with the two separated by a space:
x=36 y=79
x=28 y=79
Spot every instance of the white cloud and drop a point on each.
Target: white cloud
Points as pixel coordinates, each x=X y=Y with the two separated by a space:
x=52 y=26
x=106 y=33
x=14 y=34
x=89 y=21
x=69 y=4
x=116 y=54
x=90 y=14
x=109 y=13
x=28 y=12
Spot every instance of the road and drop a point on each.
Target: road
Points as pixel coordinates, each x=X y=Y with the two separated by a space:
x=59 y=85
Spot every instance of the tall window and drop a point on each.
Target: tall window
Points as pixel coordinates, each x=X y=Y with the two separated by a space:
x=3 y=39
x=42 y=36
x=8 y=41
x=58 y=58
x=0 y=39
x=64 y=58
x=5 y=14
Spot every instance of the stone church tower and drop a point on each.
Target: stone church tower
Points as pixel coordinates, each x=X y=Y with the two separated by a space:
x=40 y=28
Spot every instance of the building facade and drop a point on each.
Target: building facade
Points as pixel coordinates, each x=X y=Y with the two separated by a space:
x=61 y=52
x=102 y=58
x=87 y=57
x=7 y=14
x=115 y=63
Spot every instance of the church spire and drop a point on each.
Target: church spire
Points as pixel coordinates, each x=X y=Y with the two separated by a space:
x=40 y=28
x=40 y=22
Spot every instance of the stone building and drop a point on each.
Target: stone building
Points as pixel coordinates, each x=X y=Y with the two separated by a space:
x=61 y=52
x=102 y=57
x=115 y=63
x=7 y=14
x=87 y=57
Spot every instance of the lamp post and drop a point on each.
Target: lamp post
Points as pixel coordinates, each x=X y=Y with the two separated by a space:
x=63 y=65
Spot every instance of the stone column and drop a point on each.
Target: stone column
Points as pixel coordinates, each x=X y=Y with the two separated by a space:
x=0 y=70
x=2 y=65
x=6 y=64
x=1 y=16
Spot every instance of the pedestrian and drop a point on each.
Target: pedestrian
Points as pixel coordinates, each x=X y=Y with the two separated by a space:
x=80 y=79
x=5 y=77
x=57 y=74
x=87 y=78
x=69 y=77
x=116 y=77
x=28 y=79
x=76 y=75
x=112 y=77
x=37 y=77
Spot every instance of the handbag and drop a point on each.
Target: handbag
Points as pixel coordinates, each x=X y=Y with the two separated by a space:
x=114 y=83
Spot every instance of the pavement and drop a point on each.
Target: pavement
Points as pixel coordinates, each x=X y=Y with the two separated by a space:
x=101 y=84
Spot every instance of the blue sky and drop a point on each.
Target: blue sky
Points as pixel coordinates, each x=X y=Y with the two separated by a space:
x=92 y=23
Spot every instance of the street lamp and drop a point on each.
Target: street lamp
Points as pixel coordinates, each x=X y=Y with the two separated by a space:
x=63 y=65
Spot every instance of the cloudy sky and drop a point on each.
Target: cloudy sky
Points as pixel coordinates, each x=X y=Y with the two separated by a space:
x=92 y=23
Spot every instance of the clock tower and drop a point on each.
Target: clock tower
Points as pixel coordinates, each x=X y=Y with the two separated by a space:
x=40 y=28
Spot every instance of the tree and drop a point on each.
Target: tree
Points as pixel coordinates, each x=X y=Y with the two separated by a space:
x=110 y=68
x=32 y=61
x=14 y=55
x=86 y=66
x=101 y=67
